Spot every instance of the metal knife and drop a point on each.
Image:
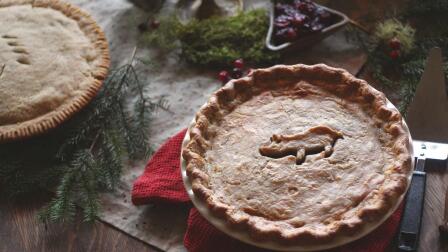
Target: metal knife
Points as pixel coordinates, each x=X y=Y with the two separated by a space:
x=428 y=123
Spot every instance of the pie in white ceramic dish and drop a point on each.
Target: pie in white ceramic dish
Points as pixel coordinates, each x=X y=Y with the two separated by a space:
x=298 y=154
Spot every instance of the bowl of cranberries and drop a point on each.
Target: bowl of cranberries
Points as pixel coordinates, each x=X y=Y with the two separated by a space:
x=301 y=23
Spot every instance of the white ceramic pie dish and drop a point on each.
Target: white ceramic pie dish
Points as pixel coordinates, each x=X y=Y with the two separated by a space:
x=243 y=236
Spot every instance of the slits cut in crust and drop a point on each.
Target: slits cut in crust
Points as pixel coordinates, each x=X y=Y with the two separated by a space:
x=52 y=119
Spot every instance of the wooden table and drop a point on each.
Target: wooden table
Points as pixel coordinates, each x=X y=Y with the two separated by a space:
x=436 y=187
x=21 y=231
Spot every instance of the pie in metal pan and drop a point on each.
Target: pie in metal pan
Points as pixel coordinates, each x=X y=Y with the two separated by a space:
x=53 y=60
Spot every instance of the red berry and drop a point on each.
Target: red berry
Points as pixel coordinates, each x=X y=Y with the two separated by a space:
x=281 y=23
x=394 y=54
x=155 y=24
x=223 y=76
x=239 y=63
x=298 y=19
x=395 y=44
x=291 y=34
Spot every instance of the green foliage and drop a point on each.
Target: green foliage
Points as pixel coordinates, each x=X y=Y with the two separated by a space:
x=165 y=37
x=219 y=41
x=95 y=150
x=216 y=41
x=85 y=156
x=405 y=72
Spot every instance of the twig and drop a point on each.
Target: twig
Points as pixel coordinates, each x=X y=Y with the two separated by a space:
x=95 y=140
x=133 y=54
x=2 y=69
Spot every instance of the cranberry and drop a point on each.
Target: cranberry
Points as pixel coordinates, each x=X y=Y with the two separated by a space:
x=282 y=21
x=394 y=54
x=155 y=24
x=224 y=76
x=395 y=44
x=298 y=19
x=239 y=63
x=290 y=34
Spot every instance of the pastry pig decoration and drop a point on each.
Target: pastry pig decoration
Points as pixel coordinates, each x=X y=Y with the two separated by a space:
x=314 y=140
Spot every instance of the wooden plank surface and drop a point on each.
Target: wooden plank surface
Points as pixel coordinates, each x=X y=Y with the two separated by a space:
x=433 y=213
x=20 y=230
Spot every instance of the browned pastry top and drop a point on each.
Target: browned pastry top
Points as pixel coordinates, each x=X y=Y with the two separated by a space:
x=53 y=58
x=298 y=153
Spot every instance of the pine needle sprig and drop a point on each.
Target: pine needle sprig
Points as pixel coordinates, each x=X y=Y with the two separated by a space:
x=107 y=131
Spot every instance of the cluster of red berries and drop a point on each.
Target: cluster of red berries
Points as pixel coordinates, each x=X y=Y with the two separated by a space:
x=236 y=73
x=395 y=46
x=299 y=17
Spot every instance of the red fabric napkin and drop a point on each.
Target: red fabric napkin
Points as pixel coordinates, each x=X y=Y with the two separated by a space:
x=162 y=182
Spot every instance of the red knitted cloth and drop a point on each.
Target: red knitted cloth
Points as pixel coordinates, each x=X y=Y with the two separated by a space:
x=162 y=182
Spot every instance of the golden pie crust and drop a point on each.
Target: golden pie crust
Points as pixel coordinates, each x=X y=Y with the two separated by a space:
x=298 y=154
x=53 y=60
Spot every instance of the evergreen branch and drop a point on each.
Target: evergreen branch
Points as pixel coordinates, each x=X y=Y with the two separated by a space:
x=404 y=74
x=85 y=156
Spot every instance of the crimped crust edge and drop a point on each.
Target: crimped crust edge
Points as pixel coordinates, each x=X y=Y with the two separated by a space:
x=51 y=120
x=356 y=89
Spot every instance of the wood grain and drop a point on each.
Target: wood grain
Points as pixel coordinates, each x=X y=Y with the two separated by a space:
x=433 y=213
x=21 y=231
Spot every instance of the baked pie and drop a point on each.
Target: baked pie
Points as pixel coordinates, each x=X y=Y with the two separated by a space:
x=53 y=59
x=298 y=154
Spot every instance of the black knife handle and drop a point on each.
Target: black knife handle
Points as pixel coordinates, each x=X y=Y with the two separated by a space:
x=413 y=210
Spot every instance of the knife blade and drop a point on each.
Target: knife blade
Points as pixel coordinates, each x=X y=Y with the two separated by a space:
x=427 y=120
